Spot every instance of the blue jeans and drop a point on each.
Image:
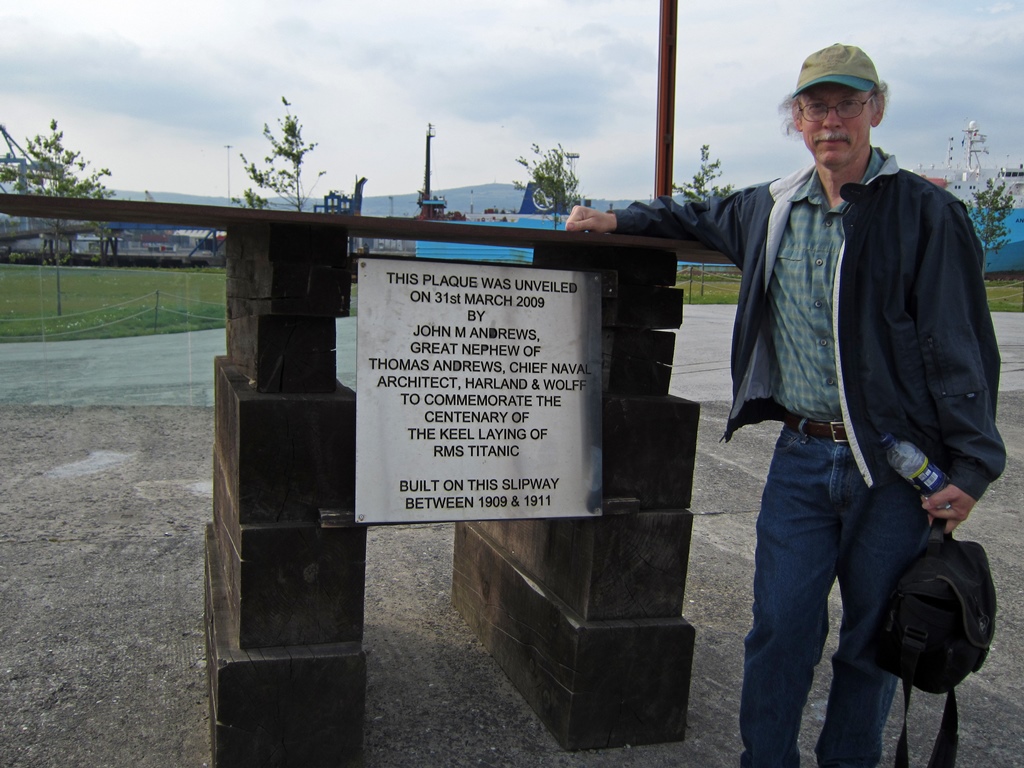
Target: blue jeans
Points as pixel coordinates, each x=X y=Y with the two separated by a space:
x=820 y=522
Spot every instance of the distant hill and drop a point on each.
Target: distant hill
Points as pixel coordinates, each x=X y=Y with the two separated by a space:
x=475 y=199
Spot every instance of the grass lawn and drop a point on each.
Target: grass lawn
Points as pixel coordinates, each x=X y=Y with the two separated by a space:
x=103 y=303
x=1005 y=295
x=97 y=303
x=715 y=286
x=722 y=287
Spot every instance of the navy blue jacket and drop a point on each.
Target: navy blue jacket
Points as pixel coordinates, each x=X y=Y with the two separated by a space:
x=917 y=354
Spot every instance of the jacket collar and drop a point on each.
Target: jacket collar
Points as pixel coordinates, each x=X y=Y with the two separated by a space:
x=783 y=189
x=854 y=193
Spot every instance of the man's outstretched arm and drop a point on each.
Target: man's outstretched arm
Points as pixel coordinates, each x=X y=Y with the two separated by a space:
x=583 y=219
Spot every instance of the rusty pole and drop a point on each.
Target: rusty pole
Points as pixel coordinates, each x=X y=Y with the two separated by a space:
x=666 y=98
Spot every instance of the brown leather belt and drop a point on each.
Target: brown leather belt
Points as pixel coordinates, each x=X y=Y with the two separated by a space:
x=831 y=430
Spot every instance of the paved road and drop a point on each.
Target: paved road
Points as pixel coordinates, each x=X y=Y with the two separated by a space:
x=172 y=369
x=102 y=511
x=177 y=369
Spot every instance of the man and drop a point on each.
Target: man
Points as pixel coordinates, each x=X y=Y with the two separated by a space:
x=862 y=311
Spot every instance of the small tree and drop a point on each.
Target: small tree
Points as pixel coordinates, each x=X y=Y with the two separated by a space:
x=555 y=185
x=989 y=211
x=290 y=151
x=53 y=170
x=701 y=188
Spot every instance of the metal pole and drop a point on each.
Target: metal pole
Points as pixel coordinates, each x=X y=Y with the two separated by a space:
x=666 y=98
x=228 y=148
x=426 y=172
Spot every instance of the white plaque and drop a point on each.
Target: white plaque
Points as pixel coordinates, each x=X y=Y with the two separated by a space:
x=479 y=392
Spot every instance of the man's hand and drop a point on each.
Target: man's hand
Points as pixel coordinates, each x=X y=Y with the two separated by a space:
x=950 y=503
x=583 y=219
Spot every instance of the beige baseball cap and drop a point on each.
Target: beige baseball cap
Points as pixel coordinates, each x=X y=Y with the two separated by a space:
x=843 y=64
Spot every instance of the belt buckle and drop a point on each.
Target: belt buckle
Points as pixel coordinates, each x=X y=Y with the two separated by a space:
x=833 y=426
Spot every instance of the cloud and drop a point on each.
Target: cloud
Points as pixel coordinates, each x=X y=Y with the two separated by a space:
x=155 y=92
x=117 y=77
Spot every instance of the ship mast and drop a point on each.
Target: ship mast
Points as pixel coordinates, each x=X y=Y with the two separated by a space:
x=974 y=141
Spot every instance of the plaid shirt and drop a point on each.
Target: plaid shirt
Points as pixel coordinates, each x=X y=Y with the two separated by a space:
x=800 y=298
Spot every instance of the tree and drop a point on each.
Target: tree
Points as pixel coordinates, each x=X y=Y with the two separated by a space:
x=290 y=151
x=53 y=170
x=700 y=188
x=989 y=211
x=553 y=176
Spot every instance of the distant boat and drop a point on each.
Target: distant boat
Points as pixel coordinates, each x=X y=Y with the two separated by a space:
x=529 y=216
x=968 y=178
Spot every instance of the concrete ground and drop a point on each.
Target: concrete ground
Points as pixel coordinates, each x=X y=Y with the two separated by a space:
x=105 y=490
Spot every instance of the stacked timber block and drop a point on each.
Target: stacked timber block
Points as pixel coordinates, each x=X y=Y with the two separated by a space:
x=585 y=615
x=284 y=593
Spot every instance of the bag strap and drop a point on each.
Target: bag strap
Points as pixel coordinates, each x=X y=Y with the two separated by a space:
x=945 y=747
x=937 y=536
x=913 y=644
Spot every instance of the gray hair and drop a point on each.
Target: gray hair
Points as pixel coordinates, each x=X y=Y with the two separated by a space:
x=787 y=109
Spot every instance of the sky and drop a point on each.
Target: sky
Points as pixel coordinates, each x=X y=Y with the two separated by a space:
x=168 y=95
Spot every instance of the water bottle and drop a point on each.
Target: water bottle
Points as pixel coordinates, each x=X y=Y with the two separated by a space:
x=911 y=464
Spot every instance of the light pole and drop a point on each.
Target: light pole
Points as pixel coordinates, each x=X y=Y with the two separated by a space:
x=572 y=157
x=228 y=148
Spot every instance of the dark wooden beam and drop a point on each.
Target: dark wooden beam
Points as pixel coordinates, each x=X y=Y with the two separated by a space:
x=224 y=217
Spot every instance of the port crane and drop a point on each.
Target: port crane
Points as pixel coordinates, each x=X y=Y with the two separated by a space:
x=15 y=155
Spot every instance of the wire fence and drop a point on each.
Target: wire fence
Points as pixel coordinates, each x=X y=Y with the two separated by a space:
x=170 y=311
x=62 y=303
x=152 y=313
x=714 y=284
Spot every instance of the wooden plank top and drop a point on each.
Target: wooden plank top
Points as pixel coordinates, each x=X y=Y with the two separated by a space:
x=225 y=217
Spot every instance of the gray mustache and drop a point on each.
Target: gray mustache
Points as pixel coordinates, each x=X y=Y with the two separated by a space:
x=832 y=136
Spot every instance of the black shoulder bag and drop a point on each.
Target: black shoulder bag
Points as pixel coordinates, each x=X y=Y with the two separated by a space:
x=938 y=630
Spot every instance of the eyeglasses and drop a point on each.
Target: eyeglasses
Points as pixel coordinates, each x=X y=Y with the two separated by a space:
x=817 y=111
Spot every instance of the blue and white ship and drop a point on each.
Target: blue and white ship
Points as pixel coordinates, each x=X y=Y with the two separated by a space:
x=969 y=177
